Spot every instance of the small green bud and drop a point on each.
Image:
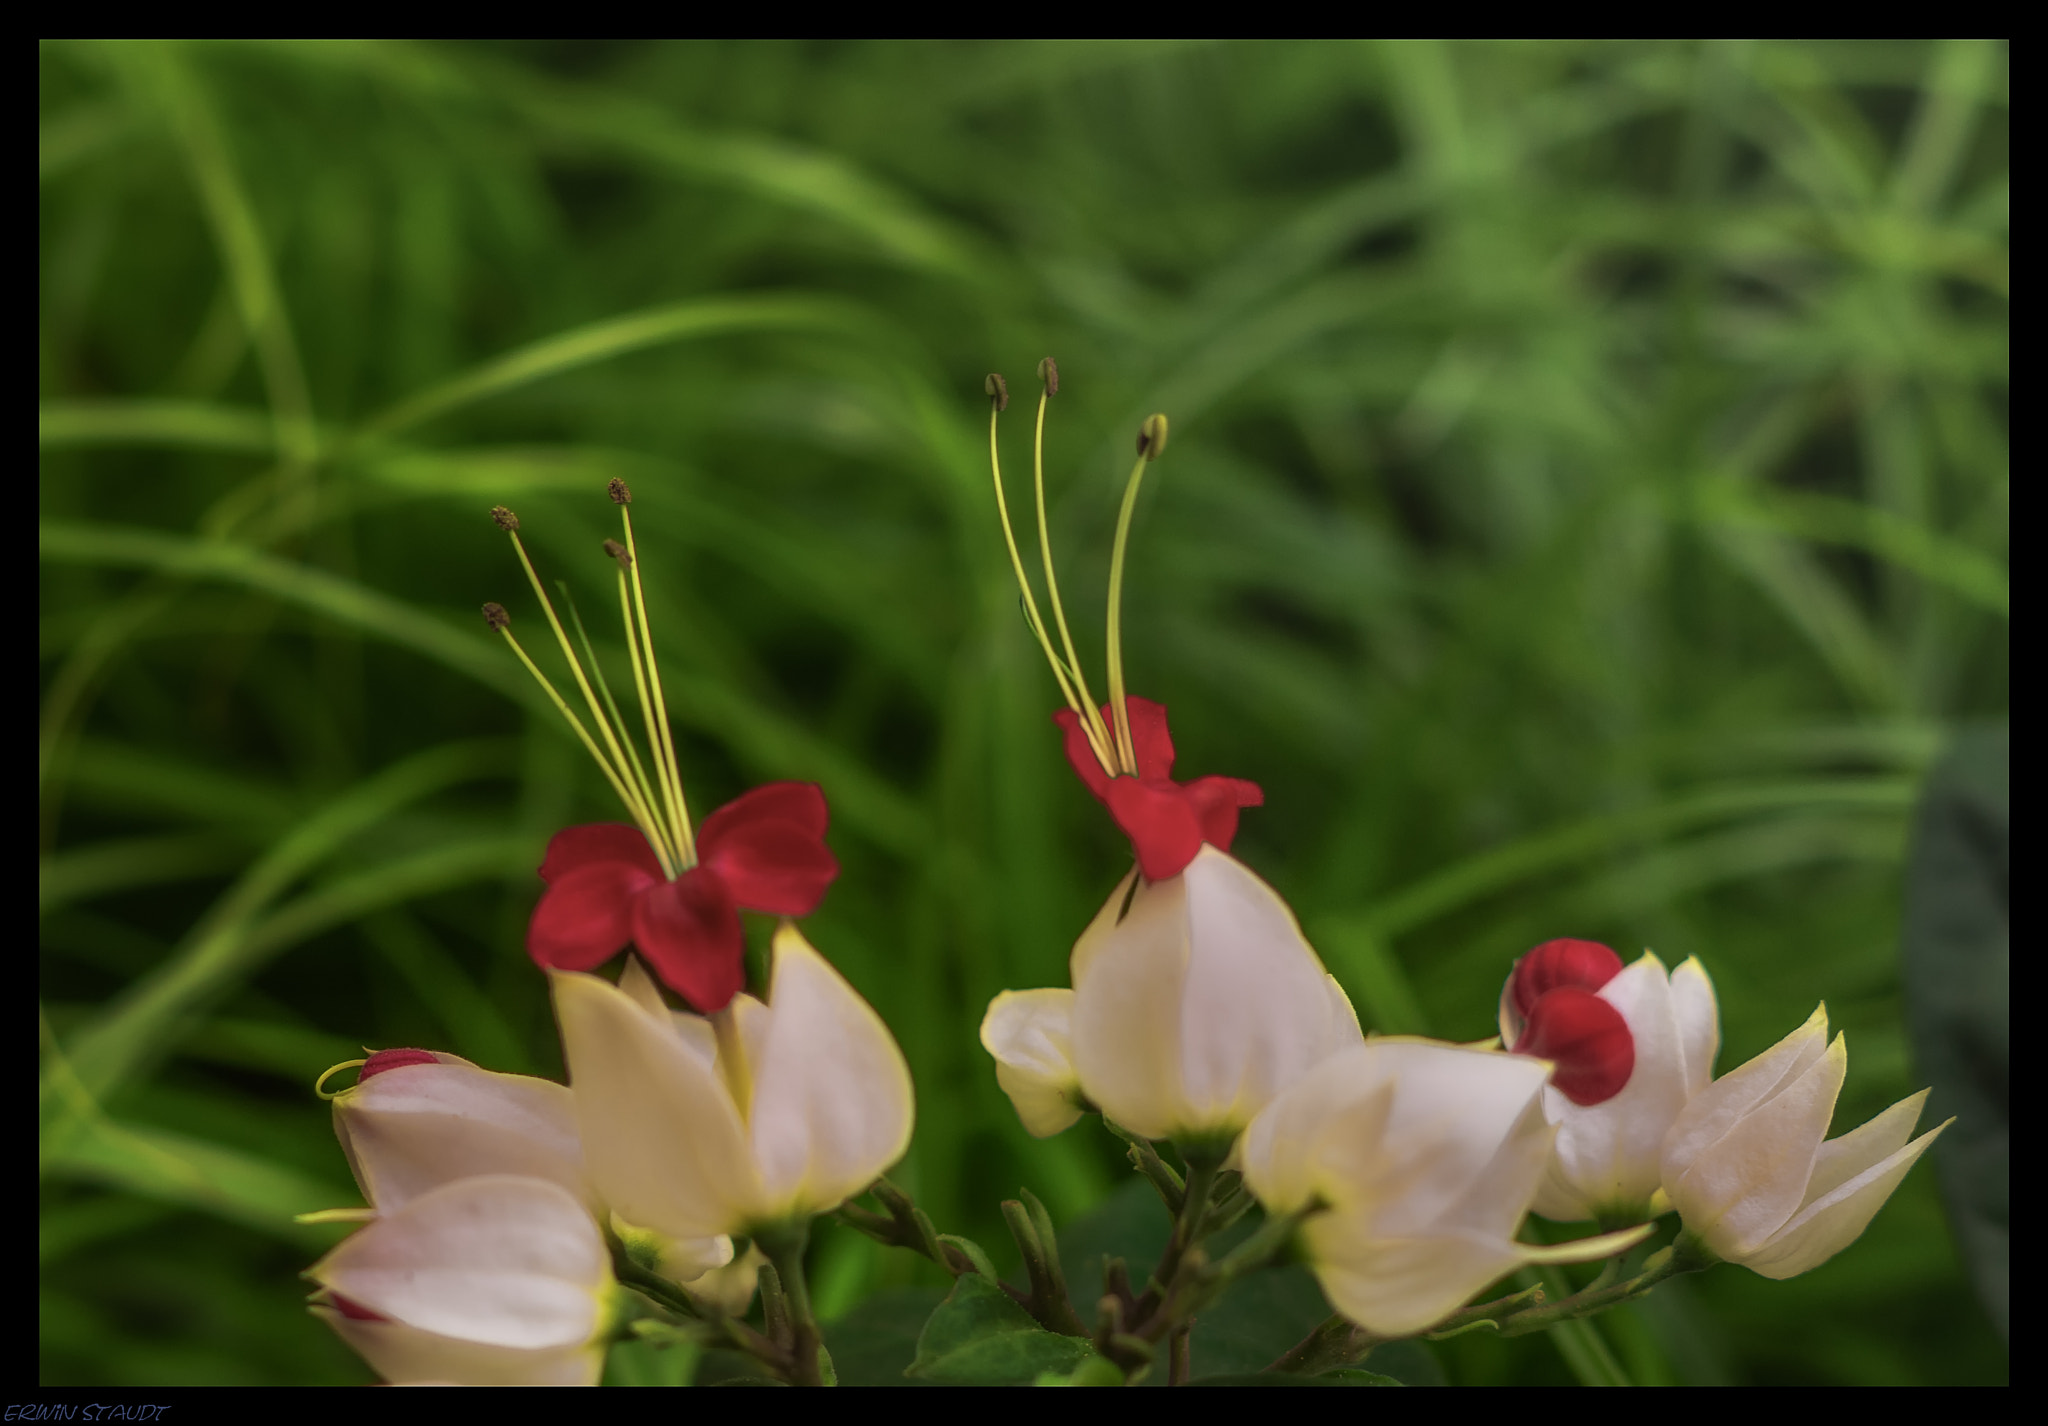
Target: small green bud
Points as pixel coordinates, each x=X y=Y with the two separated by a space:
x=1152 y=436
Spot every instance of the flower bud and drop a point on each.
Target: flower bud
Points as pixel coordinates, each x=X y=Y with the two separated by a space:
x=1030 y=1034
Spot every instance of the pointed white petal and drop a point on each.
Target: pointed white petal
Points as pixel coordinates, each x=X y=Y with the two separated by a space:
x=1835 y=1220
x=1030 y=1034
x=1840 y=1160
x=1699 y=1022
x=661 y=1138
x=1321 y=1138
x=832 y=1098
x=1099 y=930
x=1398 y=1287
x=407 y=1356
x=1716 y=1109
x=1127 y=1011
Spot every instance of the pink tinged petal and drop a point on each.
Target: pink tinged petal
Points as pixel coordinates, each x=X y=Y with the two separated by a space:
x=1837 y=1218
x=384 y=1060
x=1256 y=1012
x=1030 y=1035
x=832 y=1097
x=1127 y=1010
x=1747 y=1184
x=1699 y=1022
x=778 y=867
x=407 y=1356
x=1585 y=964
x=1585 y=1038
x=585 y=917
x=1081 y=754
x=799 y=803
x=661 y=1138
x=689 y=931
x=1150 y=741
x=1216 y=801
x=1161 y=823
x=497 y=1260
x=1718 y=1107
x=598 y=844
x=412 y=1129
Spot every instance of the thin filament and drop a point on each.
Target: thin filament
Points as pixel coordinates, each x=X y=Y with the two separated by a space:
x=671 y=798
x=1116 y=629
x=604 y=688
x=1059 y=670
x=681 y=809
x=1097 y=734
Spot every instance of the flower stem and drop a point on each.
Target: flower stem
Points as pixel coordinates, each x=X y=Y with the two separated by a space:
x=784 y=1246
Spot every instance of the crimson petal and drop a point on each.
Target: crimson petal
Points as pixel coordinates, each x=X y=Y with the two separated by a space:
x=689 y=931
x=1150 y=741
x=1216 y=801
x=1586 y=964
x=574 y=847
x=1585 y=1038
x=1081 y=754
x=800 y=802
x=1161 y=823
x=585 y=917
x=776 y=867
x=395 y=1059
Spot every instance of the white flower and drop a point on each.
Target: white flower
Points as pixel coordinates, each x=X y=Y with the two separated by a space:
x=494 y=1280
x=1749 y=1167
x=1415 y=1162
x=809 y=1104
x=1030 y=1033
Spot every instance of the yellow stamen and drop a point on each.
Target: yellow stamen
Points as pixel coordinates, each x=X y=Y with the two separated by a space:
x=1125 y=750
x=664 y=748
x=641 y=786
x=1098 y=736
x=319 y=1085
x=1090 y=721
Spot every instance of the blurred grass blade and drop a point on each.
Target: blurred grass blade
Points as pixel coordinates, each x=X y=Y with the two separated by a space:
x=199 y=425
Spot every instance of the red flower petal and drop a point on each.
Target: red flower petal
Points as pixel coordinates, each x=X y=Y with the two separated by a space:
x=349 y=1307
x=775 y=867
x=1149 y=738
x=395 y=1059
x=1160 y=820
x=689 y=931
x=1586 y=1039
x=1216 y=800
x=585 y=917
x=1081 y=754
x=1586 y=964
x=800 y=802
x=574 y=847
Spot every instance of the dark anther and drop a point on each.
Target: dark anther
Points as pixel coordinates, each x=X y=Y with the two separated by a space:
x=618 y=492
x=618 y=552
x=504 y=518
x=496 y=617
x=1049 y=373
x=998 y=390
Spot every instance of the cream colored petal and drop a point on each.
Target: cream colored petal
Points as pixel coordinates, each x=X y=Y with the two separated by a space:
x=1100 y=930
x=661 y=1139
x=637 y=985
x=730 y=1289
x=1257 y=1013
x=1610 y=1152
x=1744 y=1186
x=1500 y=1193
x=1344 y=1031
x=1855 y=1152
x=1454 y=1109
x=1834 y=1221
x=1127 y=1012
x=1699 y=1022
x=1030 y=1034
x=407 y=1356
x=832 y=1098
x=1559 y=1199
x=1398 y=1287
x=416 y=1127
x=1510 y=1019
x=497 y=1260
x=695 y=1031
x=1716 y=1109
x=1321 y=1138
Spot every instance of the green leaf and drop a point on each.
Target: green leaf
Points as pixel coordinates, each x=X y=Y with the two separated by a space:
x=1958 y=971
x=875 y=1343
x=979 y=1337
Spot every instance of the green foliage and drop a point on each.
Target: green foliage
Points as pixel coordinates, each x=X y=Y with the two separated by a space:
x=979 y=1337
x=1587 y=514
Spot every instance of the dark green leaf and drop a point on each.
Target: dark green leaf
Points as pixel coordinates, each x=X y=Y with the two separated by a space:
x=875 y=1343
x=979 y=1337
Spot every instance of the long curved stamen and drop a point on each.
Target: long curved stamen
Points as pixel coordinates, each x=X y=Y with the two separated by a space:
x=1151 y=441
x=604 y=688
x=999 y=397
x=643 y=816
x=664 y=748
x=1098 y=735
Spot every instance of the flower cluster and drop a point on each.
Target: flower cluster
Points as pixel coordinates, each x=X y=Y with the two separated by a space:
x=515 y=1227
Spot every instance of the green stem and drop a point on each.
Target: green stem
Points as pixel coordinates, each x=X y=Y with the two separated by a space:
x=784 y=1246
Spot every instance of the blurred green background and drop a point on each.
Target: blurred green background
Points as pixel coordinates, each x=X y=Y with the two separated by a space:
x=1586 y=515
